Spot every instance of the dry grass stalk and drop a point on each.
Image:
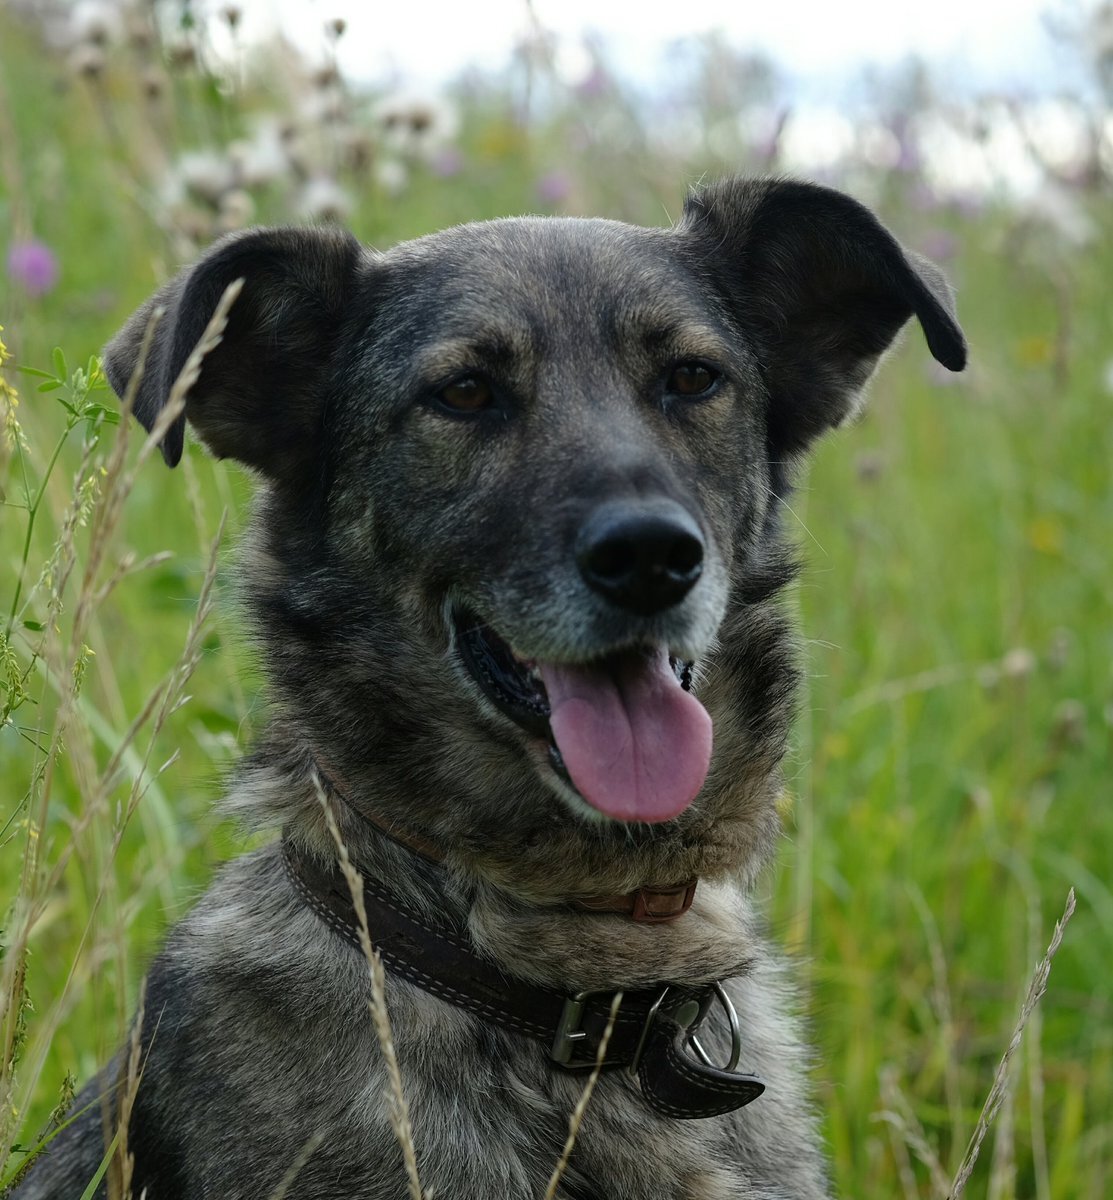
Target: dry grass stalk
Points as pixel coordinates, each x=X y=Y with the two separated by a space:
x=941 y=1003
x=576 y=1119
x=901 y=1119
x=998 y=1091
x=122 y=1167
x=164 y=700
x=380 y=1016
x=1002 y=1164
x=287 y=1180
x=898 y=1145
x=65 y=671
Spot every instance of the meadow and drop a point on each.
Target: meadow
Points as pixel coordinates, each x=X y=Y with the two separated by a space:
x=950 y=779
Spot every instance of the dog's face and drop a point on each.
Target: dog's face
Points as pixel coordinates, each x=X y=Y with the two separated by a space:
x=533 y=466
x=575 y=460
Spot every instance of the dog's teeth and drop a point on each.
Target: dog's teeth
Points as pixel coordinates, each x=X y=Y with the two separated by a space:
x=556 y=760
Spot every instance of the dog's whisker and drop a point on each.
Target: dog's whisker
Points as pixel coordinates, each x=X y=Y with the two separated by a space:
x=799 y=520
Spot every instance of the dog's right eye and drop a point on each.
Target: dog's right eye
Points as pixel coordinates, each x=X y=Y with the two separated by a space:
x=692 y=380
x=470 y=394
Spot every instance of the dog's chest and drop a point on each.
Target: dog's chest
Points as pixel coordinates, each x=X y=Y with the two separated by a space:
x=468 y=1085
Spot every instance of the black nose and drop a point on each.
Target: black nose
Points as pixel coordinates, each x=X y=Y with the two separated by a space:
x=642 y=557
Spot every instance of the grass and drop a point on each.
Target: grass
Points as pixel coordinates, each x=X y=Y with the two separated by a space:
x=950 y=779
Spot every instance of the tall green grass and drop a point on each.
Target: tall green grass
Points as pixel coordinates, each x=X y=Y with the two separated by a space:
x=951 y=773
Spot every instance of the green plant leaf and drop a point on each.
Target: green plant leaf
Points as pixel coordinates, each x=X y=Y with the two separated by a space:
x=98 y=412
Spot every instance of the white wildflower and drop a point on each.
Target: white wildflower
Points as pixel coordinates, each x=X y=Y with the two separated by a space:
x=262 y=159
x=1018 y=663
x=236 y=210
x=206 y=175
x=87 y=60
x=415 y=123
x=95 y=23
x=323 y=199
x=391 y=176
x=1063 y=212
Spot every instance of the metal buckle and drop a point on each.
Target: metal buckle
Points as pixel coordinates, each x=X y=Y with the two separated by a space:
x=735 y=1033
x=568 y=1032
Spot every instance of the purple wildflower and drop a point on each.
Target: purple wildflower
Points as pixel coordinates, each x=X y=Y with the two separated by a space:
x=594 y=84
x=553 y=187
x=33 y=266
x=939 y=244
x=446 y=161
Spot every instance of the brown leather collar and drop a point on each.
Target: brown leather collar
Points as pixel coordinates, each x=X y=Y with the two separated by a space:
x=653 y=1037
x=653 y=904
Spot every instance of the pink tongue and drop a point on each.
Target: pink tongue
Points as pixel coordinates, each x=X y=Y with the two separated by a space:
x=636 y=745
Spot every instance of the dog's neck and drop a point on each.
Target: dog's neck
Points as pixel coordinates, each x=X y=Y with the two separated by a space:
x=545 y=940
x=650 y=904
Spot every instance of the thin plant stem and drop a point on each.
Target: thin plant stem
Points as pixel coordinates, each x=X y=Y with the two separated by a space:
x=577 y=1117
x=1000 y=1087
x=380 y=1016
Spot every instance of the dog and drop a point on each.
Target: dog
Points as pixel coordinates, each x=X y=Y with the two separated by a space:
x=513 y=572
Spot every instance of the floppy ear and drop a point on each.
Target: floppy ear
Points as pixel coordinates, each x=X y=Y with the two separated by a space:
x=259 y=397
x=821 y=288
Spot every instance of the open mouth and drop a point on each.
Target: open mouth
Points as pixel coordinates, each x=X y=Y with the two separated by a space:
x=623 y=730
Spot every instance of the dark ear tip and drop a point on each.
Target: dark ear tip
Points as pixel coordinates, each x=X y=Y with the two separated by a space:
x=116 y=364
x=951 y=352
x=945 y=340
x=174 y=443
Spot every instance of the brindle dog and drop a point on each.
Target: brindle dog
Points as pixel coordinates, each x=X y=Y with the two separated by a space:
x=513 y=572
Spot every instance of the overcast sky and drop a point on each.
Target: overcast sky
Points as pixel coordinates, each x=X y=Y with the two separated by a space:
x=982 y=42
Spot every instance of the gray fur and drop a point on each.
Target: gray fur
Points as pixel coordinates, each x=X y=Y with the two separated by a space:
x=377 y=512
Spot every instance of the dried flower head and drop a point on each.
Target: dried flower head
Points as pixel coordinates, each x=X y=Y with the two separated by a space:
x=181 y=54
x=1069 y=724
x=325 y=76
x=88 y=61
x=141 y=33
x=1018 y=663
x=153 y=83
x=94 y=23
x=416 y=123
x=357 y=148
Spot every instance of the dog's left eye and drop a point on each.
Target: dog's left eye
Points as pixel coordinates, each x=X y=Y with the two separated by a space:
x=691 y=380
x=470 y=394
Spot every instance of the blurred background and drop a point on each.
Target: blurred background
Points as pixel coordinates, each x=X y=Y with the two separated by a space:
x=951 y=774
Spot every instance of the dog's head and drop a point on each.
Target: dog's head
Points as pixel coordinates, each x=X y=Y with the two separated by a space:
x=521 y=482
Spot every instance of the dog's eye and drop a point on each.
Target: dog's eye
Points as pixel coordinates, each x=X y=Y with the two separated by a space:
x=468 y=395
x=691 y=380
